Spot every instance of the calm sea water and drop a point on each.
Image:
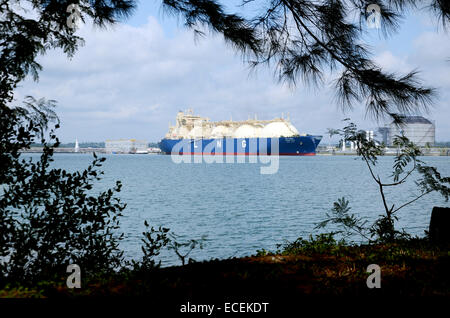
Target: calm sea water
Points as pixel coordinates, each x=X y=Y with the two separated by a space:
x=240 y=210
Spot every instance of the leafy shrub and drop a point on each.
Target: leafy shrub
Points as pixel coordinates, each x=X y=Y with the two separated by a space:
x=50 y=218
x=405 y=163
x=321 y=243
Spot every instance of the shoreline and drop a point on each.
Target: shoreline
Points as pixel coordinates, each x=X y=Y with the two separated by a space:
x=409 y=268
x=435 y=152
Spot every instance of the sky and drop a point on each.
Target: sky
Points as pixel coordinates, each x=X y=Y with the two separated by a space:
x=130 y=80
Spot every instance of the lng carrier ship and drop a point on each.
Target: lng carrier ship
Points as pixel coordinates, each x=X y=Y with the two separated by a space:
x=196 y=135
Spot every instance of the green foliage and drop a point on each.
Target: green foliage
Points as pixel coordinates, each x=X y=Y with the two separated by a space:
x=184 y=248
x=305 y=39
x=43 y=26
x=384 y=230
x=408 y=154
x=350 y=222
x=263 y=252
x=42 y=112
x=412 y=267
x=433 y=181
x=322 y=243
x=154 y=241
x=50 y=218
x=20 y=292
x=406 y=162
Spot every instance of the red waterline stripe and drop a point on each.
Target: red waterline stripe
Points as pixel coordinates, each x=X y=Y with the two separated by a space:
x=243 y=154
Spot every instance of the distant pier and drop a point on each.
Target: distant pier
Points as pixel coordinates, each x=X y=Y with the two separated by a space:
x=83 y=150
x=388 y=152
x=320 y=152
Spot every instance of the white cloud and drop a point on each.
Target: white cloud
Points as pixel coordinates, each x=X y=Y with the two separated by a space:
x=131 y=81
x=430 y=56
x=389 y=62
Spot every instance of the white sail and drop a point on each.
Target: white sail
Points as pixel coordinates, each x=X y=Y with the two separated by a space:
x=77 y=146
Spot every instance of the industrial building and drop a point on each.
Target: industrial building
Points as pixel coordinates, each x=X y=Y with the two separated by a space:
x=383 y=133
x=417 y=129
x=126 y=146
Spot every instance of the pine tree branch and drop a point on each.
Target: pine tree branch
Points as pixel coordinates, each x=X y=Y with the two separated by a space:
x=407 y=203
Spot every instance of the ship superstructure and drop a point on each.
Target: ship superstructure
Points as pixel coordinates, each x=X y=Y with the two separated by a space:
x=190 y=126
x=249 y=137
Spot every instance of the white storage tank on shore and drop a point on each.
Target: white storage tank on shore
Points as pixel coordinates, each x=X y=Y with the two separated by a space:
x=418 y=129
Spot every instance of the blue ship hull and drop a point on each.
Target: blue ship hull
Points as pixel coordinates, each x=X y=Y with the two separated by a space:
x=287 y=146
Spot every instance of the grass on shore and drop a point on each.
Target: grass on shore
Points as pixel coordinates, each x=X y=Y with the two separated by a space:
x=319 y=266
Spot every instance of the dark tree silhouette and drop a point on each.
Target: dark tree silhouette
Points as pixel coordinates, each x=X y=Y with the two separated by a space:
x=305 y=38
x=406 y=164
x=49 y=218
x=32 y=27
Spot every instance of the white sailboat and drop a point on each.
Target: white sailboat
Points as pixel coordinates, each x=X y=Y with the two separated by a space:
x=77 y=146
